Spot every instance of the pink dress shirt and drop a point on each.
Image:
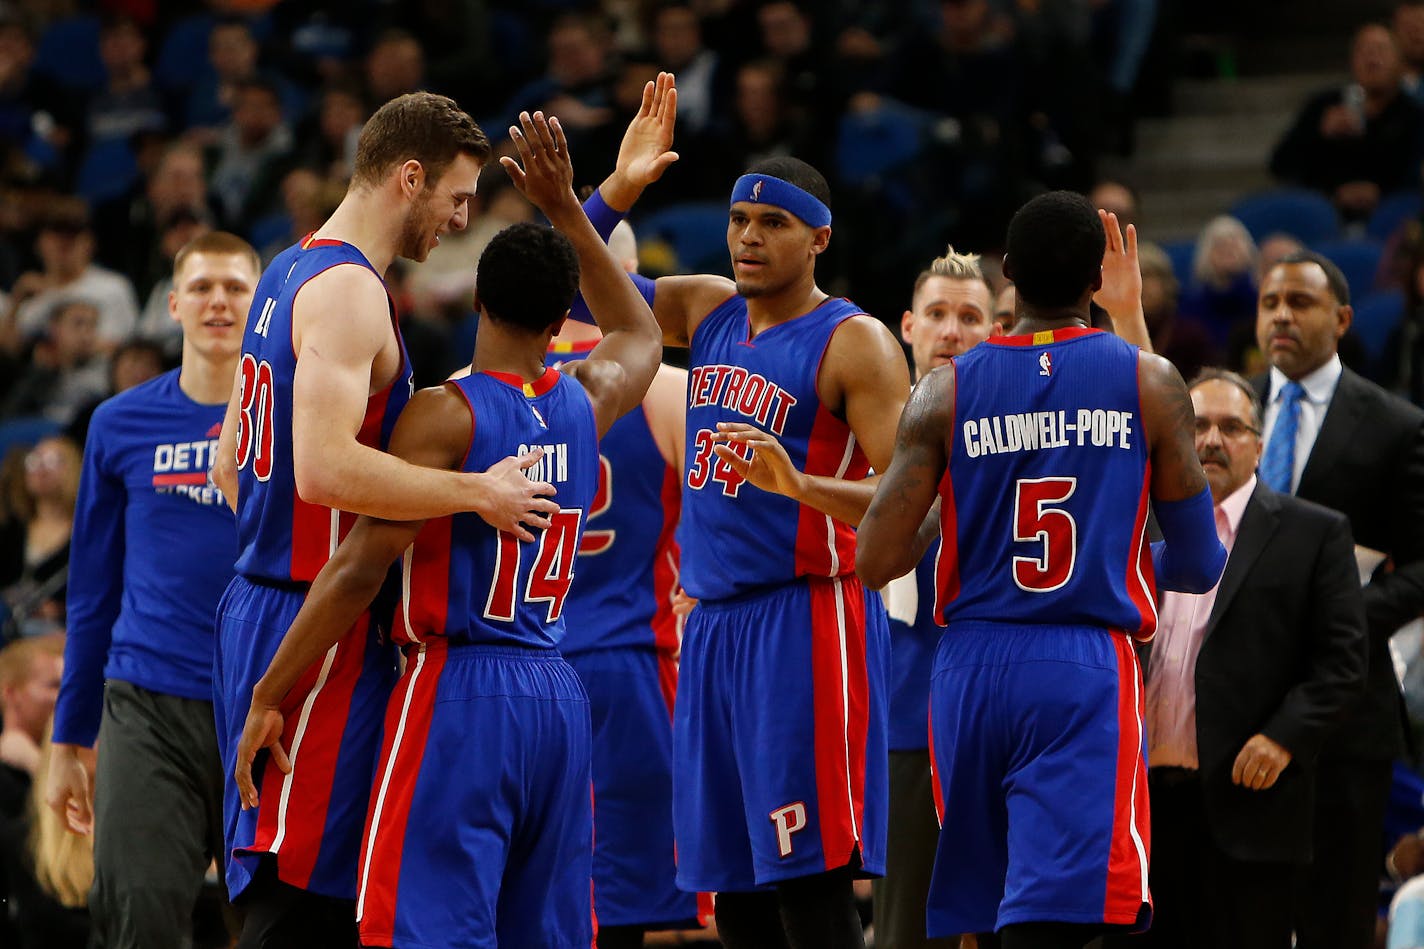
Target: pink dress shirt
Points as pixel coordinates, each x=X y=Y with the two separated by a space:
x=1171 y=676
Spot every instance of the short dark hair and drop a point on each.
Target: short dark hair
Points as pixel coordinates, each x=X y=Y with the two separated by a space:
x=1334 y=276
x=527 y=277
x=430 y=128
x=796 y=171
x=1217 y=374
x=1055 y=249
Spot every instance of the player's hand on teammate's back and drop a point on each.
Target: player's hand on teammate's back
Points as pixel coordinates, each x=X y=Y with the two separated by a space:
x=544 y=173
x=511 y=501
x=758 y=457
x=646 y=150
x=263 y=729
x=69 y=787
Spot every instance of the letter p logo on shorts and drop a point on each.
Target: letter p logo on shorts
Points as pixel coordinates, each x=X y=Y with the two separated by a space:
x=788 y=820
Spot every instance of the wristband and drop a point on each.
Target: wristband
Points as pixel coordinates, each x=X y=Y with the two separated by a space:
x=603 y=218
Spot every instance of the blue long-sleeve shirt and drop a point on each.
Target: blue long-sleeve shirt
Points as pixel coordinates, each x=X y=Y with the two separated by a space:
x=153 y=548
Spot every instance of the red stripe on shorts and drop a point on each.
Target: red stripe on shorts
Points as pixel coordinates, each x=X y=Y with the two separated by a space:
x=1131 y=839
x=840 y=699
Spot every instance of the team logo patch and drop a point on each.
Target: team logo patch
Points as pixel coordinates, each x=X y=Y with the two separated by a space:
x=788 y=820
x=756 y=190
x=1045 y=364
x=538 y=418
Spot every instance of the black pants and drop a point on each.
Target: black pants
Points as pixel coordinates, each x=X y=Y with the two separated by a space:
x=278 y=915
x=1202 y=897
x=1339 y=900
x=157 y=817
x=900 y=897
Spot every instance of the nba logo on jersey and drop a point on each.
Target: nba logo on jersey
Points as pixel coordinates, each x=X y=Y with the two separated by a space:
x=1045 y=363
x=756 y=191
x=538 y=418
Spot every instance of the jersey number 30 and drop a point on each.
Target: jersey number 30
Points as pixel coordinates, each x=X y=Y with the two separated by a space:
x=254 y=423
x=550 y=576
x=1038 y=520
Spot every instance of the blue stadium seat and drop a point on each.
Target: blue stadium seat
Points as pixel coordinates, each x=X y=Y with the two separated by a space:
x=1393 y=211
x=697 y=231
x=1376 y=317
x=1358 y=260
x=1181 y=254
x=1306 y=215
x=24 y=432
x=870 y=145
x=68 y=53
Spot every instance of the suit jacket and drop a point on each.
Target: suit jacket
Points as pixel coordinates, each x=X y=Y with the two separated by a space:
x=1368 y=464
x=1283 y=655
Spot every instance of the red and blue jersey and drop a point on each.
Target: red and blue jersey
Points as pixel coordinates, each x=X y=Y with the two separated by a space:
x=281 y=538
x=464 y=580
x=737 y=538
x=628 y=558
x=1043 y=515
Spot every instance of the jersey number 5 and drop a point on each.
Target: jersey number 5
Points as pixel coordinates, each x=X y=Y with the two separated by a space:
x=1037 y=520
x=254 y=423
x=550 y=576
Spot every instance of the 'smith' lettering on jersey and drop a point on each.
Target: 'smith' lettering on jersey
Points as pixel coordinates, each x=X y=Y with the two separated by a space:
x=554 y=466
x=1032 y=431
x=182 y=468
x=748 y=393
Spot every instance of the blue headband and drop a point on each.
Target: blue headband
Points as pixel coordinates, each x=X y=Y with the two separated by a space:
x=764 y=189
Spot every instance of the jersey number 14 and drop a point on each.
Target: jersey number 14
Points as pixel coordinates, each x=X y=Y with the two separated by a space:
x=550 y=576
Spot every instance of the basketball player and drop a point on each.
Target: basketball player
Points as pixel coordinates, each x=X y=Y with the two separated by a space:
x=322 y=378
x=779 y=731
x=480 y=823
x=153 y=548
x=951 y=310
x=1043 y=447
x=623 y=641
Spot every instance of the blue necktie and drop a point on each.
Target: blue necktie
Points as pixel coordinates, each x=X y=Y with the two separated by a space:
x=1278 y=463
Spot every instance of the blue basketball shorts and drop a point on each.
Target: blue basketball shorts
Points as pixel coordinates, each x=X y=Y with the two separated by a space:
x=780 y=736
x=311 y=819
x=634 y=865
x=1040 y=778
x=480 y=831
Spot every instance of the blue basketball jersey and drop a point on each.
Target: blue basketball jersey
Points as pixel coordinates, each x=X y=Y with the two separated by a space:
x=628 y=558
x=1044 y=503
x=465 y=580
x=282 y=538
x=737 y=538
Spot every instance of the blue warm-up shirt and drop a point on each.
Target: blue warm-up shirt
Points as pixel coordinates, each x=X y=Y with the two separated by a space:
x=153 y=550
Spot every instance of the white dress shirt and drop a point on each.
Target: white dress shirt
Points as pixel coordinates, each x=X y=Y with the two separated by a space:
x=1319 y=389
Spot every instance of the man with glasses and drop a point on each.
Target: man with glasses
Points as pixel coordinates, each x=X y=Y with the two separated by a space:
x=1243 y=683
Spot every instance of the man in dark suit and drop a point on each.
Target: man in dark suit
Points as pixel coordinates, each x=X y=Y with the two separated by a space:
x=1242 y=686
x=1341 y=441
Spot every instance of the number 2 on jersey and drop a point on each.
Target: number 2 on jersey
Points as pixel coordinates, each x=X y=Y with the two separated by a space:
x=550 y=576
x=254 y=422
x=1037 y=520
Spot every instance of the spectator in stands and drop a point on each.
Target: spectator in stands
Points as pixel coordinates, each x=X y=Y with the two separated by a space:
x=395 y=66
x=65 y=247
x=456 y=38
x=1334 y=438
x=1182 y=340
x=253 y=152
x=576 y=86
x=38 y=116
x=1243 y=684
x=128 y=230
x=328 y=145
x=1403 y=372
x=1119 y=198
x=30 y=670
x=764 y=122
x=129 y=103
x=678 y=48
x=39 y=495
x=66 y=370
x=308 y=200
x=1361 y=142
x=1222 y=292
x=233 y=57
x=1409 y=35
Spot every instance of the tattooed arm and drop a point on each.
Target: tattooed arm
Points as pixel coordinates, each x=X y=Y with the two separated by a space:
x=1170 y=421
x=894 y=533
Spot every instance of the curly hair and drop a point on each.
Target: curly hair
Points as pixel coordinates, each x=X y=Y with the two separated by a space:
x=527 y=277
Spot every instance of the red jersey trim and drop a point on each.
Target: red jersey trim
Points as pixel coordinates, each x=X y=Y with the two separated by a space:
x=578 y=346
x=1036 y=339
x=311 y=240
x=530 y=389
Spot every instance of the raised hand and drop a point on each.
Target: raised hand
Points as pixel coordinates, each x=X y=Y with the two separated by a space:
x=544 y=173
x=263 y=729
x=762 y=461
x=1121 y=292
x=646 y=150
x=511 y=500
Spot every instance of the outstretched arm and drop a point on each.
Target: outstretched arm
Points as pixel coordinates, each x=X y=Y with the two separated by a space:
x=891 y=541
x=1121 y=292
x=618 y=372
